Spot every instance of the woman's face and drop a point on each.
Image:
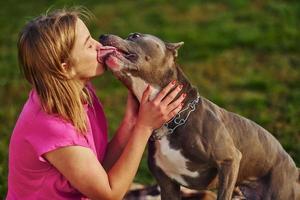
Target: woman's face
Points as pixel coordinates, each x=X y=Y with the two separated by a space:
x=84 y=54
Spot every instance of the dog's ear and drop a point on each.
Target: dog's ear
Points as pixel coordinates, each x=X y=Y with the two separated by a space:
x=174 y=47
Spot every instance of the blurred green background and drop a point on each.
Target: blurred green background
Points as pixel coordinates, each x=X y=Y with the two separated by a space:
x=243 y=55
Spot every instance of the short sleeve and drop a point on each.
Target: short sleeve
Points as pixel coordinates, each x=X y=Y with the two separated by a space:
x=49 y=133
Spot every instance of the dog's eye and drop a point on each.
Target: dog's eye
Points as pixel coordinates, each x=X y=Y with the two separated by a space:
x=134 y=35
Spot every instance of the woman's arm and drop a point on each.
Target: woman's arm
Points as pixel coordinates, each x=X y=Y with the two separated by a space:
x=120 y=139
x=81 y=167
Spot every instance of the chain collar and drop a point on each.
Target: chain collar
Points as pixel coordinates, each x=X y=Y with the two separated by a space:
x=169 y=127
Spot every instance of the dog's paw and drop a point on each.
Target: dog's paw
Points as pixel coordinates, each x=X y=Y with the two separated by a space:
x=238 y=194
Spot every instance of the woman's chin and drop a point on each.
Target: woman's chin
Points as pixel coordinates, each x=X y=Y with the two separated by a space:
x=100 y=69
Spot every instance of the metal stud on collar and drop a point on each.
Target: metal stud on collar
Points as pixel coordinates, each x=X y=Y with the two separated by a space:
x=177 y=120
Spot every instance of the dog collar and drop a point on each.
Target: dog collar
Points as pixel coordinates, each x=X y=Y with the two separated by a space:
x=178 y=120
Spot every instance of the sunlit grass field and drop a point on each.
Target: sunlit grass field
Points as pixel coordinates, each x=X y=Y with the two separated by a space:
x=243 y=55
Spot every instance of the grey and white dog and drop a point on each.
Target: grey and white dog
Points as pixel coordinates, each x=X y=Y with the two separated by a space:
x=204 y=146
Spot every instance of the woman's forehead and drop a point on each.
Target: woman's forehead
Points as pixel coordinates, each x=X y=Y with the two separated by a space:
x=82 y=31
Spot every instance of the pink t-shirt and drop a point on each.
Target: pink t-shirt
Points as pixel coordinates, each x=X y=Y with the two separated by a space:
x=36 y=132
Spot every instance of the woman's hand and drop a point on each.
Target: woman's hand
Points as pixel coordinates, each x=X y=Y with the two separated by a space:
x=153 y=114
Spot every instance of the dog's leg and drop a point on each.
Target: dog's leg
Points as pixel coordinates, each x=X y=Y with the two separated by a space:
x=286 y=173
x=225 y=154
x=228 y=172
x=170 y=190
x=297 y=186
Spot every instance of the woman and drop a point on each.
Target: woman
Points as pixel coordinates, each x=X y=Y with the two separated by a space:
x=59 y=148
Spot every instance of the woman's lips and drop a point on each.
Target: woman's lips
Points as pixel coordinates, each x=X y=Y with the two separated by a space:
x=103 y=52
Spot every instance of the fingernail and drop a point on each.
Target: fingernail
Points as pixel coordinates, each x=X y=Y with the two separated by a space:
x=184 y=95
x=180 y=86
x=173 y=82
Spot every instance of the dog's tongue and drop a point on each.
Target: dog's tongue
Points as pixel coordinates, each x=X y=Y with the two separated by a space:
x=103 y=51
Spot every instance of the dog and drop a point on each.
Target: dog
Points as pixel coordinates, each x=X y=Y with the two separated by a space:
x=204 y=146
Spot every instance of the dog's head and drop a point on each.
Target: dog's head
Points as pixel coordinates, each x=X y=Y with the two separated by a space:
x=141 y=59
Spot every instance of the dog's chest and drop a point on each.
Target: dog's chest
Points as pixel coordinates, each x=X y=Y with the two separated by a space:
x=172 y=162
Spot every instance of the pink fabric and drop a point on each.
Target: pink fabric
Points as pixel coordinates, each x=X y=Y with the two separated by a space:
x=36 y=132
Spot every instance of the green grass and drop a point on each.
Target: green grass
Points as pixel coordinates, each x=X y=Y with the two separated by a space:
x=242 y=55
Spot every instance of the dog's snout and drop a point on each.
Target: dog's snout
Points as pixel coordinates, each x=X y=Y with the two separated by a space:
x=103 y=37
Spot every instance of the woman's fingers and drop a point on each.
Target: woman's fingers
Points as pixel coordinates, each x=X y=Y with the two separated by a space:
x=162 y=108
x=146 y=94
x=164 y=92
x=176 y=103
x=170 y=97
x=174 y=111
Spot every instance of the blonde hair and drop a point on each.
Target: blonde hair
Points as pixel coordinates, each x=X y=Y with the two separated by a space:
x=44 y=44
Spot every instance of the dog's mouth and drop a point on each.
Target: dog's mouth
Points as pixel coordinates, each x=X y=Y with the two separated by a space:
x=103 y=53
x=124 y=52
x=123 y=57
x=116 y=59
x=131 y=56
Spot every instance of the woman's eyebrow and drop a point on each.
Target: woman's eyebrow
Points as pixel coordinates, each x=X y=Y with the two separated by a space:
x=88 y=37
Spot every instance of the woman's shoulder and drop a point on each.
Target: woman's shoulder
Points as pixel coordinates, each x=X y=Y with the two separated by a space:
x=35 y=119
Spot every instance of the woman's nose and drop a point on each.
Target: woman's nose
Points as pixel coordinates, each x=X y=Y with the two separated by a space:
x=98 y=45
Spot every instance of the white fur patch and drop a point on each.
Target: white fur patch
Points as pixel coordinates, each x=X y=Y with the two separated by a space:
x=172 y=162
x=139 y=86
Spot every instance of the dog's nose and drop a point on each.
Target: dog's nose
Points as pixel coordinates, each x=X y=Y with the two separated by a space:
x=102 y=37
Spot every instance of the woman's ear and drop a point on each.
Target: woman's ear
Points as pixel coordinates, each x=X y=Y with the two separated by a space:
x=68 y=70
